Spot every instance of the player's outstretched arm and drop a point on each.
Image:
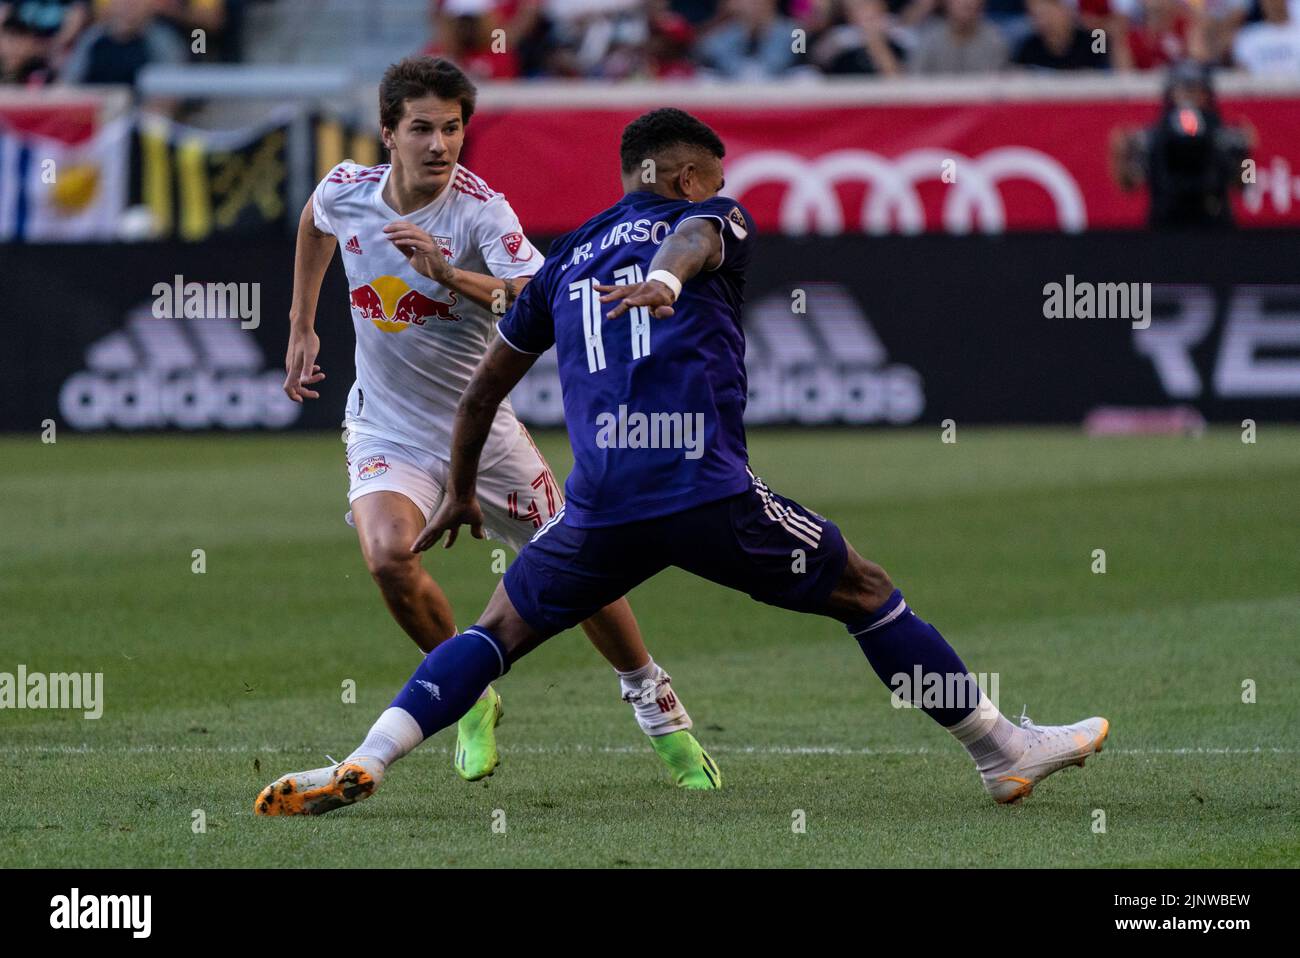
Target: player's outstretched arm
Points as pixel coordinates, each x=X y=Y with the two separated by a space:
x=311 y=259
x=498 y=372
x=695 y=245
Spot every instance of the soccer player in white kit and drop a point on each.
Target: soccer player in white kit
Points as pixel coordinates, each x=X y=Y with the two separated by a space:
x=434 y=257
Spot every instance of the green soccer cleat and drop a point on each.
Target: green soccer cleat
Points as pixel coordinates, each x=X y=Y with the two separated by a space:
x=686 y=759
x=476 y=742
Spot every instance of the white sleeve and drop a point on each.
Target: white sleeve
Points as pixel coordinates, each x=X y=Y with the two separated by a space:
x=320 y=203
x=499 y=237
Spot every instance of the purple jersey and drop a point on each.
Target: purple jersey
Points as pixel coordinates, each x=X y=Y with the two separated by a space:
x=655 y=407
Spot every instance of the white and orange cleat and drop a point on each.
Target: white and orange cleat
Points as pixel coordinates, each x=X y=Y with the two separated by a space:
x=1048 y=749
x=321 y=790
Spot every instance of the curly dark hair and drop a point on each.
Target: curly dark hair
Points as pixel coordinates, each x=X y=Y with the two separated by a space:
x=419 y=76
x=653 y=132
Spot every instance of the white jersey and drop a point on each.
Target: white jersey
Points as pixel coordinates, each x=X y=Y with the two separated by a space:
x=418 y=342
x=1269 y=49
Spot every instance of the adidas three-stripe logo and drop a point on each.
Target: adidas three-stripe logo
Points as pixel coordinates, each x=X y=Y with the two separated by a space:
x=789 y=519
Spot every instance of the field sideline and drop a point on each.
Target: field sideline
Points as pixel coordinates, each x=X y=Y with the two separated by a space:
x=216 y=683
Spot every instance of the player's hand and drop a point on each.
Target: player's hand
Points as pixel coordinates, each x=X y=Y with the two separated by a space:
x=653 y=294
x=420 y=251
x=300 y=369
x=449 y=517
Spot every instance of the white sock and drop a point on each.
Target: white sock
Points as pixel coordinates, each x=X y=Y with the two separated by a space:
x=989 y=737
x=395 y=734
x=650 y=692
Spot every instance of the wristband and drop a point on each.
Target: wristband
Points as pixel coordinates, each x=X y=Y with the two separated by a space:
x=668 y=279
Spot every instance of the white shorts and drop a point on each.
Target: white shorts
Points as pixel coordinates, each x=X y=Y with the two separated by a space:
x=517 y=493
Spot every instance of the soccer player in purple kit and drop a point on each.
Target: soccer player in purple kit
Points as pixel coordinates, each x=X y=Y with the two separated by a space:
x=654 y=397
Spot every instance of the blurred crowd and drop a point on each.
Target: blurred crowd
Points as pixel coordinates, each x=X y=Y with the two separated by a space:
x=770 y=39
x=109 y=41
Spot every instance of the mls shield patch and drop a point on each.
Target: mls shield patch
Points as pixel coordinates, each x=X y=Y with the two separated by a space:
x=514 y=242
x=738 y=224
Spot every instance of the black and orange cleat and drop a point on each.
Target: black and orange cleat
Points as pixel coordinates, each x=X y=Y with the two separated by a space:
x=321 y=790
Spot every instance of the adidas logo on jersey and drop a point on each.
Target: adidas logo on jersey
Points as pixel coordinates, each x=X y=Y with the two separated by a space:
x=186 y=372
x=353 y=246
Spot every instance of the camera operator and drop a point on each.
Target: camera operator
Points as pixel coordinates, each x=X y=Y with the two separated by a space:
x=1189 y=158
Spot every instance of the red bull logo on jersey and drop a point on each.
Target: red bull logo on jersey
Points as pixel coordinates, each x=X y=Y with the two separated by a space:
x=372 y=467
x=393 y=306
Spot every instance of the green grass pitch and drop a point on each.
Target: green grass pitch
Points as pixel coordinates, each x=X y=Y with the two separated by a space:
x=216 y=683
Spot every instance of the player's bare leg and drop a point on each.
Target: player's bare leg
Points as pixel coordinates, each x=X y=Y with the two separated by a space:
x=615 y=634
x=643 y=684
x=648 y=689
x=447 y=682
x=387 y=522
x=1010 y=760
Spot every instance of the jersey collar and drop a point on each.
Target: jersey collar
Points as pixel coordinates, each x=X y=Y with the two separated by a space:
x=428 y=210
x=638 y=197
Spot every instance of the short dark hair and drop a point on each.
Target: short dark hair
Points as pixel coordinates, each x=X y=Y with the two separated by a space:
x=652 y=133
x=419 y=76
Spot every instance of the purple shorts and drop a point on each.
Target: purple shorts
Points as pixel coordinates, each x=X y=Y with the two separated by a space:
x=756 y=542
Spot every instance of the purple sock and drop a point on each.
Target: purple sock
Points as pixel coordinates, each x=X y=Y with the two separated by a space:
x=911 y=657
x=451 y=678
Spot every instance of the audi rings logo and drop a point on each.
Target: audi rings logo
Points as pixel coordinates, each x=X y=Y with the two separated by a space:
x=891 y=204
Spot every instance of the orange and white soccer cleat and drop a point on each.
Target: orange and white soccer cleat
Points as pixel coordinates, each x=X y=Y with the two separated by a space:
x=1048 y=749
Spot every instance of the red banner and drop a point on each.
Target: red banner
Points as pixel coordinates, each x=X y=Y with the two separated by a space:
x=69 y=121
x=910 y=168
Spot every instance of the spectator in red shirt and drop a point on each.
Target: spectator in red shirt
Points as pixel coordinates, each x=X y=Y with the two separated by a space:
x=1167 y=32
x=463 y=33
x=668 y=50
